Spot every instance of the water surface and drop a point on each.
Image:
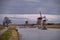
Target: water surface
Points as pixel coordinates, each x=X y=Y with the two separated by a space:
x=38 y=34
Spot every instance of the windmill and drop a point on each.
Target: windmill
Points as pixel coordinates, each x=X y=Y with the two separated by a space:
x=39 y=19
x=44 y=23
x=26 y=22
x=41 y=22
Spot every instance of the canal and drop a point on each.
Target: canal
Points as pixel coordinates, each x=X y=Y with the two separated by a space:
x=38 y=34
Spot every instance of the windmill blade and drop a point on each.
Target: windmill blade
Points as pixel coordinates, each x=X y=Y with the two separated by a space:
x=44 y=18
x=40 y=14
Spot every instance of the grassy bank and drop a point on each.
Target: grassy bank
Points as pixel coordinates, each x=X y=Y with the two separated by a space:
x=14 y=35
x=53 y=26
x=6 y=35
x=1 y=27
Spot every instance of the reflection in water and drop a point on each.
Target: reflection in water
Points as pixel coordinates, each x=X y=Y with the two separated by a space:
x=38 y=34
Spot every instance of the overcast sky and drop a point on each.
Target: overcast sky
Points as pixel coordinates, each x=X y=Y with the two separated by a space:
x=30 y=6
x=32 y=18
x=49 y=8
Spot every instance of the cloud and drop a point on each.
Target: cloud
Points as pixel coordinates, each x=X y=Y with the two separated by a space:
x=32 y=17
x=33 y=0
x=30 y=6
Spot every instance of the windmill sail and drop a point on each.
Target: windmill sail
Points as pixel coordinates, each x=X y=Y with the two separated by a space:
x=40 y=14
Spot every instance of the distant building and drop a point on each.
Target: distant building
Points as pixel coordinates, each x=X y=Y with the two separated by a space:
x=26 y=22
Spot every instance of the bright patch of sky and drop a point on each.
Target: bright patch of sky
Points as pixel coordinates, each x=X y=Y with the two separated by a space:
x=32 y=18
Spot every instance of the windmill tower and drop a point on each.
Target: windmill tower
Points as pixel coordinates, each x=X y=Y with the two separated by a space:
x=39 y=19
x=44 y=20
x=44 y=23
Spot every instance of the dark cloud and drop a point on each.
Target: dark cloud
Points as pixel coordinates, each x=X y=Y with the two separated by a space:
x=30 y=6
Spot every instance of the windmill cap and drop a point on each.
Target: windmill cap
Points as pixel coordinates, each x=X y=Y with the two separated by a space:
x=40 y=18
